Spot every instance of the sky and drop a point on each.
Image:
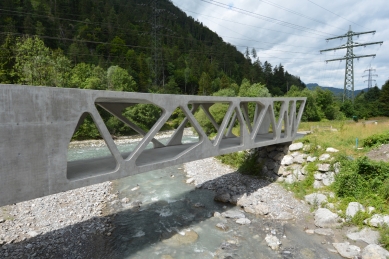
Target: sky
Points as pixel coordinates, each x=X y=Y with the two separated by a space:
x=293 y=32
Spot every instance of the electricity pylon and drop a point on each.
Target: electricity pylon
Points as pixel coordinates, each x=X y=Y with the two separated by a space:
x=370 y=78
x=348 y=92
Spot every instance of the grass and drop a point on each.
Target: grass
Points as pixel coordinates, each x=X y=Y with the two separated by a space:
x=345 y=137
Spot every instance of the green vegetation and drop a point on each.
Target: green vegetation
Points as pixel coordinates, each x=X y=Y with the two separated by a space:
x=360 y=179
x=376 y=140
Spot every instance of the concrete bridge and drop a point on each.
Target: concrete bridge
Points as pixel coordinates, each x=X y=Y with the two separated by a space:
x=37 y=124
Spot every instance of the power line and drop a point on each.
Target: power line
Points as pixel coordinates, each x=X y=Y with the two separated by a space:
x=250 y=25
x=266 y=18
x=336 y=14
x=297 y=13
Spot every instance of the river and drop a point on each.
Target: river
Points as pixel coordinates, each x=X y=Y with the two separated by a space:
x=158 y=215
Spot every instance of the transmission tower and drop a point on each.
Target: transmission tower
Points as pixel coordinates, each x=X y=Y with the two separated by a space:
x=370 y=78
x=348 y=92
x=156 y=45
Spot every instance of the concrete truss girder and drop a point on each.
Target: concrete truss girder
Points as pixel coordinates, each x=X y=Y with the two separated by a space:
x=37 y=124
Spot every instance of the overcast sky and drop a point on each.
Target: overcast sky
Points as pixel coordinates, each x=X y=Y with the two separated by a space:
x=293 y=32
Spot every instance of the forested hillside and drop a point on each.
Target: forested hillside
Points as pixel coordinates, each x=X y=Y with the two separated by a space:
x=108 y=45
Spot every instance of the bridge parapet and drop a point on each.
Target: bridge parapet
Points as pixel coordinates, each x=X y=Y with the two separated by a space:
x=37 y=125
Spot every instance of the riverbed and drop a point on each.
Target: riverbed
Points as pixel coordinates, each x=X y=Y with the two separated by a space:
x=167 y=213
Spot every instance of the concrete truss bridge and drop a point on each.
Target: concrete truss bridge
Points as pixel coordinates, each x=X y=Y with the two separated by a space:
x=37 y=125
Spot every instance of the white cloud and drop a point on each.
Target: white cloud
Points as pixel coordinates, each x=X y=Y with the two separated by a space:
x=280 y=41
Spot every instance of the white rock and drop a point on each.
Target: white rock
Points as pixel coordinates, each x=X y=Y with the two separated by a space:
x=273 y=242
x=367 y=235
x=190 y=180
x=353 y=208
x=243 y=221
x=315 y=199
x=324 y=157
x=311 y=159
x=337 y=167
x=310 y=231
x=304 y=170
x=287 y=160
x=281 y=170
x=318 y=176
x=317 y=184
x=233 y=214
x=328 y=178
x=378 y=220
x=370 y=209
x=299 y=159
x=374 y=252
x=346 y=250
x=296 y=146
x=323 y=167
x=324 y=231
x=295 y=154
x=32 y=233
x=332 y=150
x=217 y=214
x=290 y=179
x=324 y=218
x=285 y=216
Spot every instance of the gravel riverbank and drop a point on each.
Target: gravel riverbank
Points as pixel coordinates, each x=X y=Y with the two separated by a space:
x=55 y=226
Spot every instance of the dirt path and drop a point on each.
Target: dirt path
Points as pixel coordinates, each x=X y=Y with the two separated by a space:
x=379 y=154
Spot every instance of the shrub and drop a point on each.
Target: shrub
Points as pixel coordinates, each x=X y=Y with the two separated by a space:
x=376 y=140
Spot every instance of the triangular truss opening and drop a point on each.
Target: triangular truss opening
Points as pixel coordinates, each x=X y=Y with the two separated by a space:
x=182 y=133
x=282 y=119
x=210 y=116
x=129 y=122
x=232 y=129
x=88 y=160
x=266 y=125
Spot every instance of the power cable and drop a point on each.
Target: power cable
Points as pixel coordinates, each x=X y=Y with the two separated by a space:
x=267 y=18
x=335 y=14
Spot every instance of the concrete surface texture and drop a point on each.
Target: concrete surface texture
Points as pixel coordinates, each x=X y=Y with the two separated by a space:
x=37 y=124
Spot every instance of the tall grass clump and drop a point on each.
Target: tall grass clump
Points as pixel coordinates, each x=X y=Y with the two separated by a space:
x=364 y=180
x=376 y=139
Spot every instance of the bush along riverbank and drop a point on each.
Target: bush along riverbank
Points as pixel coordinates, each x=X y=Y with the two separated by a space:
x=345 y=193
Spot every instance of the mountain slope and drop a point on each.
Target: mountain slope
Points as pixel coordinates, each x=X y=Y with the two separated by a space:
x=121 y=32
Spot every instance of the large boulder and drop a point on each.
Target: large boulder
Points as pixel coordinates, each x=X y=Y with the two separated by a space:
x=373 y=251
x=324 y=218
x=324 y=157
x=315 y=199
x=346 y=250
x=323 y=167
x=287 y=160
x=296 y=146
x=353 y=208
x=378 y=220
x=367 y=235
x=328 y=178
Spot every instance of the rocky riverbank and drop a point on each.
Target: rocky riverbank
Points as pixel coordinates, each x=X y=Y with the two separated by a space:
x=270 y=200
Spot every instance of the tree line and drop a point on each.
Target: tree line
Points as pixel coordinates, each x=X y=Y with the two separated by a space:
x=77 y=36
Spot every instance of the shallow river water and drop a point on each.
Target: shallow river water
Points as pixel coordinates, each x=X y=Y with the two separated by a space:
x=158 y=215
